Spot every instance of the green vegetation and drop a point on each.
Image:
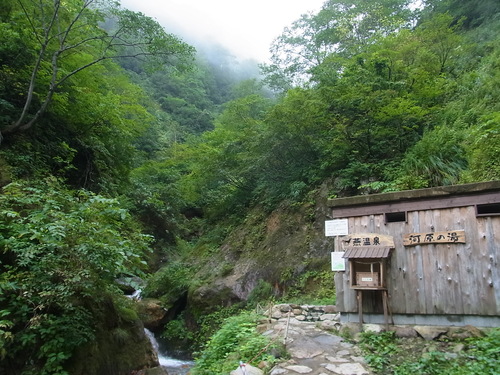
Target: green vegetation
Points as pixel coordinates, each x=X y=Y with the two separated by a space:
x=237 y=340
x=113 y=165
x=313 y=287
x=387 y=354
x=168 y=283
x=61 y=252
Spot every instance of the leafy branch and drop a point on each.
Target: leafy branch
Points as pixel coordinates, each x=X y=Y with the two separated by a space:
x=61 y=29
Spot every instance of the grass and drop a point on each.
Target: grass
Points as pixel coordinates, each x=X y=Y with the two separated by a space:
x=387 y=354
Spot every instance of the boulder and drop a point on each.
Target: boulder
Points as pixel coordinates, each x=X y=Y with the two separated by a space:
x=151 y=313
x=328 y=317
x=300 y=369
x=404 y=331
x=430 y=332
x=276 y=314
x=376 y=328
x=330 y=309
x=347 y=369
x=285 y=308
x=120 y=350
x=460 y=333
x=246 y=369
x=350 y=329
x=329 y=325
x=279 y=371
x=210 y=296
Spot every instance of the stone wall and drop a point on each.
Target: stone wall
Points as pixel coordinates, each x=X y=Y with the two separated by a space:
x=327 y=317
x=308 y=313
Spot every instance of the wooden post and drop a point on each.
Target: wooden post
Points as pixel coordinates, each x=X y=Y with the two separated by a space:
x=386 y=307
x=389 y=308
x=382 y=265
x=359 y=296
x=286 y=329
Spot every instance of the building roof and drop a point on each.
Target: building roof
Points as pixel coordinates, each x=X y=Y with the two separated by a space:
x=409 y=195
x=368 y=252
x=443 y=197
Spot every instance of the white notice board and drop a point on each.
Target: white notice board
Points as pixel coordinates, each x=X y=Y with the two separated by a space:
x=338 y=262
x=336 y=227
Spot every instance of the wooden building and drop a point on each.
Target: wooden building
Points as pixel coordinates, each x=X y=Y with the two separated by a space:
x=443 y=267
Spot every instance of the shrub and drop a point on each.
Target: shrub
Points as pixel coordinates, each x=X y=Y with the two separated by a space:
x=388 y=355
x=237 y=340
x=263 y=291
x=169 y=283
x=60 y=253
x=313 y=287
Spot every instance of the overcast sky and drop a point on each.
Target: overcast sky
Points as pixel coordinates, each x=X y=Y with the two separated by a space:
x=245 y=27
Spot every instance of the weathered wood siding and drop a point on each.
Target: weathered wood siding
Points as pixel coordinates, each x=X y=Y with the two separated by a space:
x=457 y=279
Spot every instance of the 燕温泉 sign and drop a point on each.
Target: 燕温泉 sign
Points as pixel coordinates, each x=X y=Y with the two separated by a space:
x=452 y=236
x=367 y=239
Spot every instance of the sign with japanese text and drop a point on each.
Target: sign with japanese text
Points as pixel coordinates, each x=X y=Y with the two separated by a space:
x=452 y=236
x=367 y=239
x=336 y=227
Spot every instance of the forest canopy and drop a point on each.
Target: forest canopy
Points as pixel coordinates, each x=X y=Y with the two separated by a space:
x=123 y=149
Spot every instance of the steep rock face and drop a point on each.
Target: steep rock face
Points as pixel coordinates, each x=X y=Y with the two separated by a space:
x=227 y=290
x=275 y=248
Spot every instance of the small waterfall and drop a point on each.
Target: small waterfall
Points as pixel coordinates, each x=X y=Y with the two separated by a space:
x=172 y=365
x=136 y=295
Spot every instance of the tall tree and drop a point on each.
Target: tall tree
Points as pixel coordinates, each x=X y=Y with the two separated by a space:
x=56 y=31
x=475 y=12
x=344 y=27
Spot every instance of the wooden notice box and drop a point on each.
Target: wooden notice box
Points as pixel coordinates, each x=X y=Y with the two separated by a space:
x=368 y=279
x=368 y=273
x=367 y=254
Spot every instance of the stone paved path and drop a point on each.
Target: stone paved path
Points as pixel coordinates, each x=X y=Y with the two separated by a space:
x=315 y=351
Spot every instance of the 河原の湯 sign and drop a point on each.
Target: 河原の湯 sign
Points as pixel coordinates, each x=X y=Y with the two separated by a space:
x=452 y=236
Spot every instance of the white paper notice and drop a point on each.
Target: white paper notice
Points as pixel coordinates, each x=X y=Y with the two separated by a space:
x=336 y=227
x=338 y=263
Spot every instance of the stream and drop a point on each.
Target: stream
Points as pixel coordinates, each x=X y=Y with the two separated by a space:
x=173 y=366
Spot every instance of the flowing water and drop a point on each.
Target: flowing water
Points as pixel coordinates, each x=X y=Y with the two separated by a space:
x=173 y=366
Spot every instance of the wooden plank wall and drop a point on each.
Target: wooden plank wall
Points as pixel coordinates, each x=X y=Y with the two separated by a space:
x=435 y=278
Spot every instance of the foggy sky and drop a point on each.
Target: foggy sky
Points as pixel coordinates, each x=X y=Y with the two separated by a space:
x=245 y=27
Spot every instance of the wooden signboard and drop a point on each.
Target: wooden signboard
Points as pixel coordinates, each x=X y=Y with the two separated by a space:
x=452 y=236
x=367 y=239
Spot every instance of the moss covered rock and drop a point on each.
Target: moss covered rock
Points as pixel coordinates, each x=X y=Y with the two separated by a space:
x=120 y=346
